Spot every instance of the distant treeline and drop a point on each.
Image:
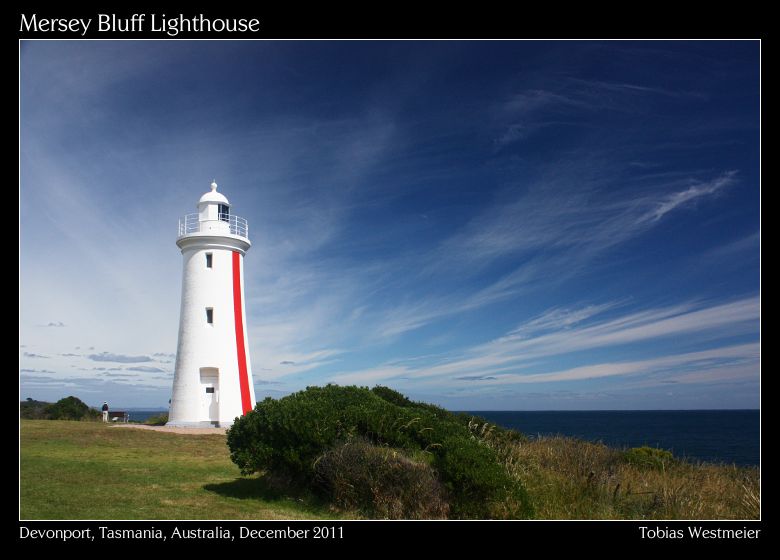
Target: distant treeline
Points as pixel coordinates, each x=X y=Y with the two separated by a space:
x=69 y=408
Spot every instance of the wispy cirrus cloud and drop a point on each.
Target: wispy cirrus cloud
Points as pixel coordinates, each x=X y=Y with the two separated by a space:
x=579 y=224
x=691 y=194
x=629 y=88
x=554 y=233
x=520 y=354
x=560 y=319
x=570 y=101
x=535 y=101
x=736 y=318
x=678 y=365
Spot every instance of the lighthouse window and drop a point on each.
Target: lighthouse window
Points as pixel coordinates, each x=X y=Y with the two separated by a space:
x=208 y=260
x=209 y=389
x=224 y=212
x=210 y=315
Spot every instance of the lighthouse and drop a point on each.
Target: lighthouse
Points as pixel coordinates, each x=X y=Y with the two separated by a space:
x=212 y=383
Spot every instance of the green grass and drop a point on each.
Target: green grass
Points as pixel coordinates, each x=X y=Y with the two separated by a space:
x=88 y=470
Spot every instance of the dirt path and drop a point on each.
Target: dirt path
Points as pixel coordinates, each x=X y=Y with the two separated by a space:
x=173 y=430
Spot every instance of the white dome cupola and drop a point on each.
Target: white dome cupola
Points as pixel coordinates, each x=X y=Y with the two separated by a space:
x=214 y=207
x=213 y=218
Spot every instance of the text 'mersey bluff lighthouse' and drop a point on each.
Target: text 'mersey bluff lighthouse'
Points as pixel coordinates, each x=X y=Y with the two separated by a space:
x=212 y=384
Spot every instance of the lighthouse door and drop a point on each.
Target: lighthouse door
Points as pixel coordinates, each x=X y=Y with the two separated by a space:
x=209 y=394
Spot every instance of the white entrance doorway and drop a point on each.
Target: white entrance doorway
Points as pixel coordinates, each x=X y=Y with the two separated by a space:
x=209 y=394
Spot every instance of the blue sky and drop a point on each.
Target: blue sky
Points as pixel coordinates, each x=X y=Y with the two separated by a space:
x=484 y=225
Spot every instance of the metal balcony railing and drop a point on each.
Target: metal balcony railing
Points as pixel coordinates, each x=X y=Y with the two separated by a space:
x=191 y=224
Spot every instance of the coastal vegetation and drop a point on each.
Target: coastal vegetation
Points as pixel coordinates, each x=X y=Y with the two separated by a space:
x=374 y=450
x=69 y=408
x=574 y=479
x=357 y=453
x=369 y=453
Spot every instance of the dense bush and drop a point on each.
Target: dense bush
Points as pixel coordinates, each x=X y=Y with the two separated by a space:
x=478 y=426
x=380 y=482
x=648 y=457
x=398 y=399
x=475 y=476
x=70 y=408
x=391 y=396
x=289 y=435
x=33 y=410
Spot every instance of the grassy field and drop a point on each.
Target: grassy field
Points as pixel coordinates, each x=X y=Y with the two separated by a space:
x=87 y=470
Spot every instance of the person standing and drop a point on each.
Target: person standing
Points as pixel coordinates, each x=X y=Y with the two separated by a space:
x=105 y=411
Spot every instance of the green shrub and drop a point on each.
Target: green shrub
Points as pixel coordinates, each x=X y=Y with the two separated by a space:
x=398 y=399
x=288 y=435
x=478 y=483
x=33 y=410
x=158 y=420
x=391 y=396
x=70 y=408
x=478 y=426
x=380 y=482
x=648 y=457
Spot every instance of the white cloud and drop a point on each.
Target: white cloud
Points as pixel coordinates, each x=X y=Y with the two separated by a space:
x=690 y=194
x=557 y=319
x=706 y=360
x=524 y=350
x=554 y=231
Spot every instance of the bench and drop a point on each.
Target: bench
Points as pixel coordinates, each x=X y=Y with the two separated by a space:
x=118 y=416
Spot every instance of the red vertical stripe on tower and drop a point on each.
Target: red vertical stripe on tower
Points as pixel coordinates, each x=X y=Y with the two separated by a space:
x=243 y=377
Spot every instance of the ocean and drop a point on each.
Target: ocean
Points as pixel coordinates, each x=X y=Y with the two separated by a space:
x=141 y=414
x=719 y=436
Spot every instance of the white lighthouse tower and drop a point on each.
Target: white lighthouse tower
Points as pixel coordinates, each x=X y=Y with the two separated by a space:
x=212 y=384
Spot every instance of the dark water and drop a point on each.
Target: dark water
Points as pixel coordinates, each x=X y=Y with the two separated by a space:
x=140 y=415
x=721 y=436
